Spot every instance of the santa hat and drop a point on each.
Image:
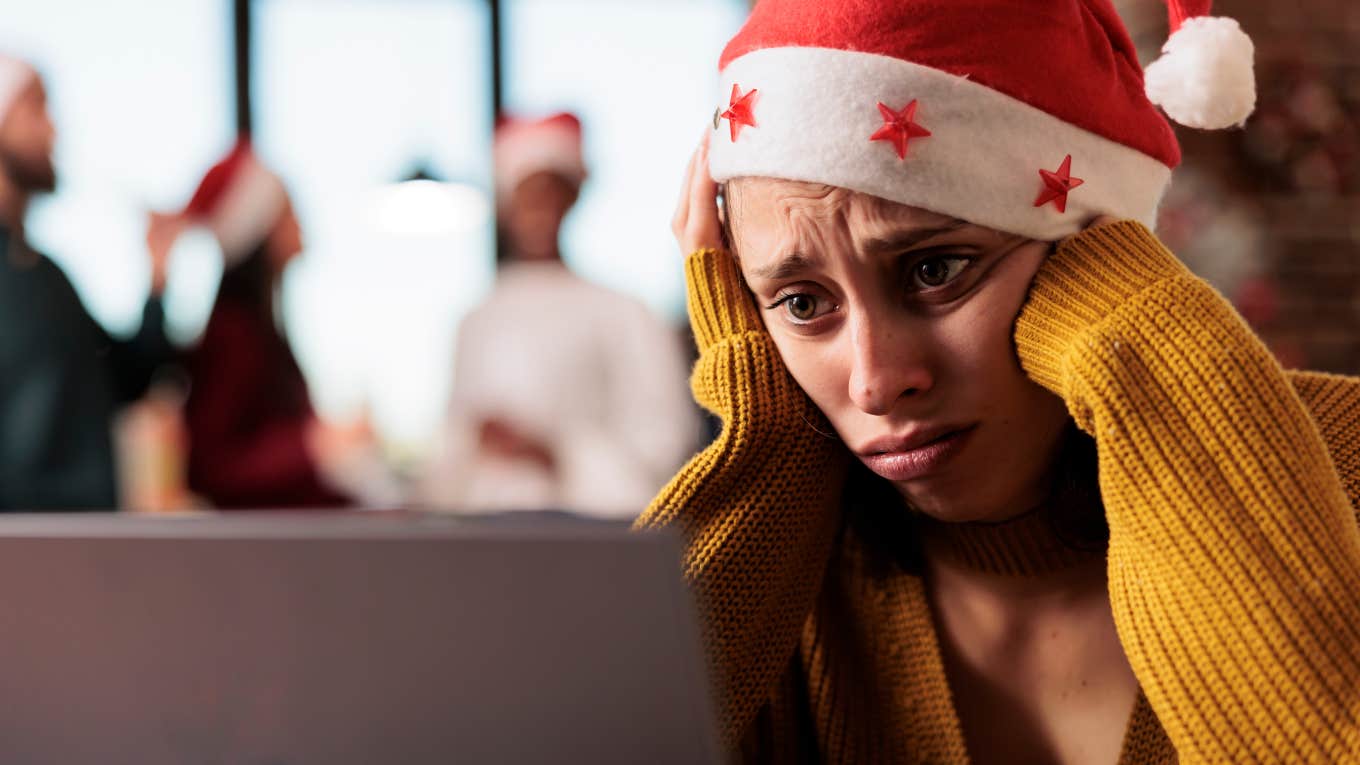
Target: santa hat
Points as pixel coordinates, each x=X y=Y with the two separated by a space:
x=524 y=147
x=15 y=75
x=240 y=201
x=1027 y=117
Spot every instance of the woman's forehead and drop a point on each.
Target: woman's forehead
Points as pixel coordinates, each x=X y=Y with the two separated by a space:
x=780 y=198
x=776 y=221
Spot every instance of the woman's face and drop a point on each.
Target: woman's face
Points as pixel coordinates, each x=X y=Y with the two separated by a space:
x=285 y=239
x=898 y=323
x=535 y=213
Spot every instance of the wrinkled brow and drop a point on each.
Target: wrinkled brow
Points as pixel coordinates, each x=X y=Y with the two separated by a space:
x=906 y=240
x=796 y=263
x=790 y=265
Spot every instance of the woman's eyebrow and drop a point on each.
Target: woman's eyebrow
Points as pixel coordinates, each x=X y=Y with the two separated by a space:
x=907 y=239
x=790 y=265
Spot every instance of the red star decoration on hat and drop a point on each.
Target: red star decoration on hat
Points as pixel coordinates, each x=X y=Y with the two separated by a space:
x=739 y=110
x=899 y=127
x=1057 y=185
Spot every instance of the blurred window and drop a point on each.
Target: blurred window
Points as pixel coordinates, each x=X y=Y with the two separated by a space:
x=350 y=97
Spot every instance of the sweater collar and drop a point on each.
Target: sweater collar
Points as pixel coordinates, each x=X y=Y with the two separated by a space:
x=1028 y=545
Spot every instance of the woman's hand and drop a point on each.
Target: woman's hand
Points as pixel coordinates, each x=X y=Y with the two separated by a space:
x=696 y=225
x=162 y=231
x=499 y=439
x=1033 y=263
x=1019 y=270
x=1022 y=265
x=335 y=444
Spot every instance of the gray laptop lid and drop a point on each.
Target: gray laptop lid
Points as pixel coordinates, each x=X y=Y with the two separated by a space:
x=345 y=639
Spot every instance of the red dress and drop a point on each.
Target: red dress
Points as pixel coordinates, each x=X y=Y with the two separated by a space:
x=247 y=415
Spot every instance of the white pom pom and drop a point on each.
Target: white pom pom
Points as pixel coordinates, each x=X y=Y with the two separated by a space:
x=1204 y=78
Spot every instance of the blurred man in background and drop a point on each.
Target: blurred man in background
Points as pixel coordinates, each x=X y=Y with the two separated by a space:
x=566 y=395
x=62 y=377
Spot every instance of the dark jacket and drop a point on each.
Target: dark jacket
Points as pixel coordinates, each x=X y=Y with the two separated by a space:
x=62 y=379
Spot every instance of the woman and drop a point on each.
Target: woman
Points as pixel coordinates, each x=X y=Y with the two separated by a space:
x=254 y=439
x=1000 y=481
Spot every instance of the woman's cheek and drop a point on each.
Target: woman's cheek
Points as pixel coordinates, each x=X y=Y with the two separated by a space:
x=994 y=307
x=1006 y=287
x=978 y=336
x=798 y=355
x=820 y=370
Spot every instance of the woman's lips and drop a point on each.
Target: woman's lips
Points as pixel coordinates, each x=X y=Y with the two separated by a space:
x=919 y=462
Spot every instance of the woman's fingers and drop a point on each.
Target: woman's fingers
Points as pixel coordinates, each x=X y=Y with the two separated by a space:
x=702 y=227
x=682 y=206
x=1099 y=220
x=695 y=223
x=703 y=192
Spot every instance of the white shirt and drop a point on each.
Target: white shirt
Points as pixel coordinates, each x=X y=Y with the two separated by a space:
x=589 y=373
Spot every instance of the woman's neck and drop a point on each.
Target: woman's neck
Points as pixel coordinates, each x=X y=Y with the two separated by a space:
x=1027 y=638
x=1027 y=545
x=1060 y=541
x=1014 y=603
x=1023 y=561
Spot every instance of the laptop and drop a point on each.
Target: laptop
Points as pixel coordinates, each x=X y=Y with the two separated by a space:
x=283 y=639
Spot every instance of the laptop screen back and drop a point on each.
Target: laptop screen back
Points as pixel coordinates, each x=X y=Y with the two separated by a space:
x=346 y=639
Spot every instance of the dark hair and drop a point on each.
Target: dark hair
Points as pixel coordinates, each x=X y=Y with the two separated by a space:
x=248 y=288
x=886 y=525
x=724 y=200
x=250 y=284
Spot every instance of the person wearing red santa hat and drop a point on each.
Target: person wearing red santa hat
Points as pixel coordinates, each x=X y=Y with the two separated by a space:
x=62 y=376
x=254 y=440
x=566 y=395
x=1000 y=480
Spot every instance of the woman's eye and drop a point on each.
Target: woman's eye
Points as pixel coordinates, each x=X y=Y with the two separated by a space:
x=802 y=307
x=937 y=272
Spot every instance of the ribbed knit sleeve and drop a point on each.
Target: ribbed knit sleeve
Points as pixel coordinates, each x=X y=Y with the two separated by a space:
x=1234 y=553
x=1334 y=402
x=758 y=507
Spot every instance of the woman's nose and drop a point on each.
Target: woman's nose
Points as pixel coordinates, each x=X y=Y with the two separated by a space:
x=888 y=364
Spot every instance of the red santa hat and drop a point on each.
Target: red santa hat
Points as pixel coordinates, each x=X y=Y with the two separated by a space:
x=1027 y=117
x=525 y=146
x=240 y=201
x=15 y=75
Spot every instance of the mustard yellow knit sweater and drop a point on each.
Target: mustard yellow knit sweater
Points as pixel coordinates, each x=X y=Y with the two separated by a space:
x=1229 y=487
